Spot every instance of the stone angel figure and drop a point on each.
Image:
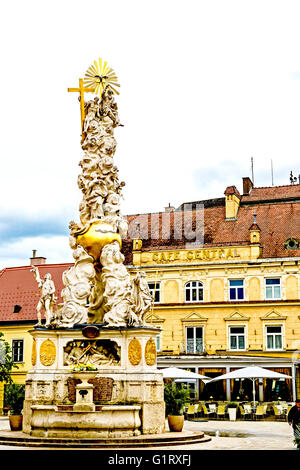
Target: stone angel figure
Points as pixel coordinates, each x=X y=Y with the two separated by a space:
x=92 y=112
x=48 y=298
x=109 y=109
x=142 y=297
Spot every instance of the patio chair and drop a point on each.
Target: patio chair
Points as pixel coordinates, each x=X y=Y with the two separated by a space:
x=207 y=413
x=221 y=411
x=244 y=413
x=197 y=406
x=248 y=409
x=259 y=412
x=213 y=408
x=278 y=412
x=190 y=411
x=265 y=410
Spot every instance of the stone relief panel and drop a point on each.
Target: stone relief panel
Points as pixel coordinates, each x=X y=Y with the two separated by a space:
x=100 y=352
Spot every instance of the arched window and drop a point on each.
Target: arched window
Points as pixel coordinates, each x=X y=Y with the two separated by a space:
x=194 y=291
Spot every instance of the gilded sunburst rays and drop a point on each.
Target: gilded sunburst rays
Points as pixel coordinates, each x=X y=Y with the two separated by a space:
x=99 y=75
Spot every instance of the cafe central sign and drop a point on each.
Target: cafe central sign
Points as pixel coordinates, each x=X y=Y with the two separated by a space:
x=186 y=256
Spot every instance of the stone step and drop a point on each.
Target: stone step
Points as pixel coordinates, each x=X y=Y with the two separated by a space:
x=109 y=445
x=19 y=439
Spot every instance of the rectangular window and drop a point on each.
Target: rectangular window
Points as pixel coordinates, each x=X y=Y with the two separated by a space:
x=273 y=289
x=237 y=338
x=158 y=340
x=274 y=337
x=236 y=289
x=17 y=349
x=154 y=288
x=194 y=339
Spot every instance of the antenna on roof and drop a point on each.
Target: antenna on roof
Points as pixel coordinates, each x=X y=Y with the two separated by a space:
x=272 y=172
x=252 y=170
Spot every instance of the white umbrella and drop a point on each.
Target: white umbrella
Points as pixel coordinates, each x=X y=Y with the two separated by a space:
x=252 y=373
x=176 y=373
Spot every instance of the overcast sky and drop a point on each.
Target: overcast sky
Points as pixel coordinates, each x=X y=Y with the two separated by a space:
x=205 y=86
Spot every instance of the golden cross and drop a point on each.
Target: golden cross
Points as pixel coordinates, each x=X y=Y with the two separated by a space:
x=81 y=91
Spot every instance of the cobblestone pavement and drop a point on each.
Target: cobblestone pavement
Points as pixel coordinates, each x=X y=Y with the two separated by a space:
x=254 y=435
x=243 y=435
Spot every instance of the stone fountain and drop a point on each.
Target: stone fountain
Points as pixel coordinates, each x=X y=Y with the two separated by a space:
x=94 y=370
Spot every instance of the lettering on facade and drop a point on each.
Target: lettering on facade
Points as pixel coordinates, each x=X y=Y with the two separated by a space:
x=213 y=254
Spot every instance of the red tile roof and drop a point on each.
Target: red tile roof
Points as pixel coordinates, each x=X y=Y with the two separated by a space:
x=272 y=193
x=19 y=287
x=277 y=221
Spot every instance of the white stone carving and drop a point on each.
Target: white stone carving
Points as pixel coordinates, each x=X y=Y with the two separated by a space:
x=96 y=353
x=117 y=293
x=78 y=281
x=48 y=298
x=113 y=300
x=142 y=297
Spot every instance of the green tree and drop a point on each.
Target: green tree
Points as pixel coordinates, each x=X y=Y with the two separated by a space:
x=6 y=362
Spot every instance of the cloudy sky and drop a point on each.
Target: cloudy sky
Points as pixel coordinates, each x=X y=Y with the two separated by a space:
x=205 y=86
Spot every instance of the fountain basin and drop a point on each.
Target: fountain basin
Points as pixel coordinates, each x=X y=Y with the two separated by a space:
x=111 y=421
x=84 y=376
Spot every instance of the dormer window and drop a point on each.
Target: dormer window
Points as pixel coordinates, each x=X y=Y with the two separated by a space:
x=17 y=308
x=292 y=244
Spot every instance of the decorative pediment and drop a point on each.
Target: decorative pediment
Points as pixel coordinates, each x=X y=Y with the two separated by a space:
x=154 y=318
x=273 y=315
x=194 y=317
x=236 y=316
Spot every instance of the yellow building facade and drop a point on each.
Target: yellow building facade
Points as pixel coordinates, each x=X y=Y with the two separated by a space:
x=216 y=316
x=227 y=305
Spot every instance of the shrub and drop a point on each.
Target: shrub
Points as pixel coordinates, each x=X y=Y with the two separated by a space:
x=175 y=398
x=232 y=405
x=14 y=397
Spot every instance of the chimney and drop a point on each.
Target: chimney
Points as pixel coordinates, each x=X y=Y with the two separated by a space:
x=232 y=202
x=247 y=185
x=37 y=260
x=169 y=208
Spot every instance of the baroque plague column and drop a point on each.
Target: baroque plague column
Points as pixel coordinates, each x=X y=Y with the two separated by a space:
x=100 y=328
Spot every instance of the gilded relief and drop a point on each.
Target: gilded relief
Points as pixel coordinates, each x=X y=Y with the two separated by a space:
x=134 y=352
x=150 y=352
x=33 y=353
x=47 y=353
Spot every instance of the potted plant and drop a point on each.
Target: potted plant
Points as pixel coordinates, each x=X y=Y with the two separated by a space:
x=175 y=399
x=14 y=397
x=232 y=407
